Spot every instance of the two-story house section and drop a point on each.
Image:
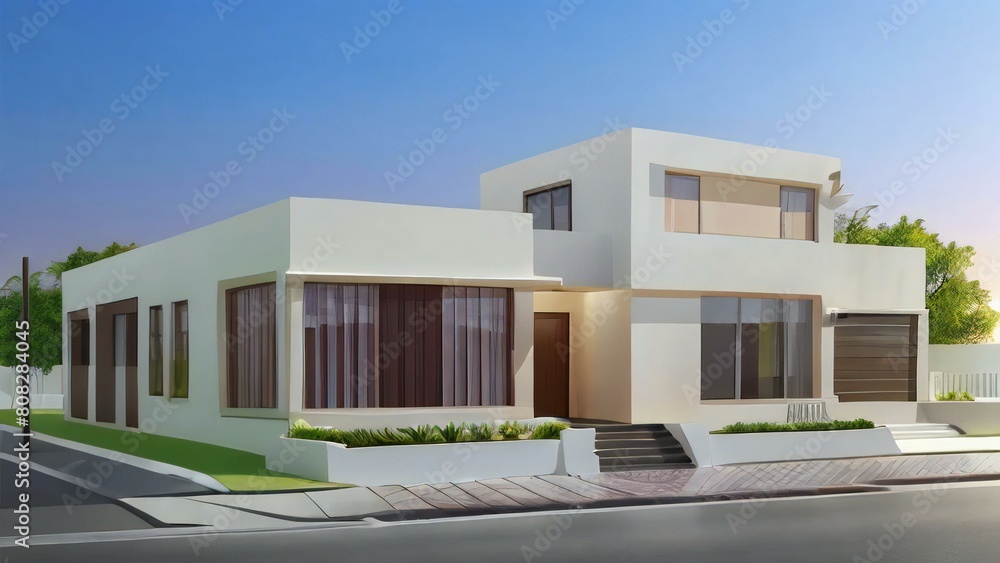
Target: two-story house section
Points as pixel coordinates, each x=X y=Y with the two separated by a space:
x=701 y=283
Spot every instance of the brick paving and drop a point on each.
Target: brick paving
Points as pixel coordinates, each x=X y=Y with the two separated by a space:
x=666 y=485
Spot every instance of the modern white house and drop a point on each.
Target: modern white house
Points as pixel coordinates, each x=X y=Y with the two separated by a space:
x=641 y=276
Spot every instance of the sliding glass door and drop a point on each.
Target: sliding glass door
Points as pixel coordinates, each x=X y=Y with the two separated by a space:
x=756 y=348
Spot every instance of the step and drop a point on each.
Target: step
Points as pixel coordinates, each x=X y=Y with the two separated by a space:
x=641 y=451
x=636 y=435
x=635 y=443
x=923 y=430
x=620 y=427
x=646 y=467
x=628 y=461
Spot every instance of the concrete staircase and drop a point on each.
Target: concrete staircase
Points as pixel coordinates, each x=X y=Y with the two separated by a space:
x=923 y=430
x=637 y=447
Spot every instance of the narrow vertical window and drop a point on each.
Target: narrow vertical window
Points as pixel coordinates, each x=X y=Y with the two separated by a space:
x=797 y=211
x=79 y=359
x=683 y=203
x=156 y=350
x=179 y=359
x=551 y=208
x=250 y=345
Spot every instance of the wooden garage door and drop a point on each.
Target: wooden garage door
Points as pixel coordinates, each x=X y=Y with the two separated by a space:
x=875 y=357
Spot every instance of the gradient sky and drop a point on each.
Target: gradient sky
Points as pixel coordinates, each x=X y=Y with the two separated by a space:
x=894 y=85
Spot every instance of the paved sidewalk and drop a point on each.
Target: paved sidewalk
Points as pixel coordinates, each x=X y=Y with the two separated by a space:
x=555 y=492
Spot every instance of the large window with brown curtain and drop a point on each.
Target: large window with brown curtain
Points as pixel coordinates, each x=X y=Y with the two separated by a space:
x=251 y=362
x=395 y=345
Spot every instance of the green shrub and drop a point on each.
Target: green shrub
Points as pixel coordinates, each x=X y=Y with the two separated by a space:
x=953 y=396
x=450 y=433
x=426 y=434
x=548 y=430
x=514 y=430
x=745 y=427
x=478 y=432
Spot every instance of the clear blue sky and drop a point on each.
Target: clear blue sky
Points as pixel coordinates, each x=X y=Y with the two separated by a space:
x=559 y=79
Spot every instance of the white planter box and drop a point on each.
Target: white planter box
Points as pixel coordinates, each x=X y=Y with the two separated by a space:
x=792 y=446
x=415 y=464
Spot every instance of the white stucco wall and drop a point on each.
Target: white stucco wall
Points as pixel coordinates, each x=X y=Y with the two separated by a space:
x=191 y=266
x=291 y=242
x=672 y=270
x=599 y=170
x=964 y=358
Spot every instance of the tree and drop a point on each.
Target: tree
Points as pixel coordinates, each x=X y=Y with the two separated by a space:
x=83 y=257
x=958 y=307
x=46 y=310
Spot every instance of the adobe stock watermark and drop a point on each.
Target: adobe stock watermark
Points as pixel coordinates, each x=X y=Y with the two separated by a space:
x=913 y=168
x=546 y=536
x=454 y=117
x=900 y=16
x=695 y=45
x=365 y=34
x=787 y=126
x=250 y=148
x=225 y=7
x=562 y=12
x=587 y=153
x=32 y=25
x=892 y=533
x=121 y=108
x=101 y=471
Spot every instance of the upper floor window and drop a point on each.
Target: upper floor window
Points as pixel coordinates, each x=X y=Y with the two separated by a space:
x=683 y=204
x=725 y=205
x=797 y=210
x=550 y=208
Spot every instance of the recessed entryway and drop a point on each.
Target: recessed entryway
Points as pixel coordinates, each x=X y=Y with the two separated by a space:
x=552 y=364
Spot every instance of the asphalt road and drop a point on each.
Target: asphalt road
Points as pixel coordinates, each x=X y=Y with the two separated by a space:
x=931 y=524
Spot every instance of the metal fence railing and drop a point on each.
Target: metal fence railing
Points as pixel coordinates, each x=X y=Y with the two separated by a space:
x=981 y=385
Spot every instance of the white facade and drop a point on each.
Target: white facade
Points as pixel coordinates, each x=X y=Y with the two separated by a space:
x=618 y=240
x=633 y=291
x=291 y=242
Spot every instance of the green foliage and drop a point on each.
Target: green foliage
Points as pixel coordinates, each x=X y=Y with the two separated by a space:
x=959 y=307
x=514 y=430
x=953 y=396
x=477 y=432
x=452 y=433
x=548 y=430
x=745 y=427
x=46 y=310
x=424 y=434
x=46 y=326
x=81 y=257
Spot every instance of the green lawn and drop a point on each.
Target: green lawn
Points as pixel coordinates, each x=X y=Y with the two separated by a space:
x=236 y=469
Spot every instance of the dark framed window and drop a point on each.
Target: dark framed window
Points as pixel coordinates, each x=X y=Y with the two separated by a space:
x=156 y=350
x=251 y=359
x=79 y=359
x=394 y=345
x=179 y=357
x=551 y=208
x=756 y=348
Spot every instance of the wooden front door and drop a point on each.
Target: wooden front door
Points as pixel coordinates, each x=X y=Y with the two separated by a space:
x=552 y=364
